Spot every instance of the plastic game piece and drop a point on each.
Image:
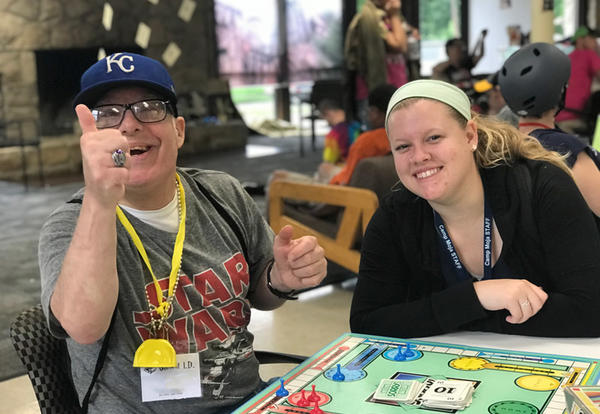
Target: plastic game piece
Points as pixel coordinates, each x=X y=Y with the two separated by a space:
x=282 y=392
x=408 y=353
x=399 y=354
x=316 y=410
x=313 y=397
x=302 y=402
x=338 y=376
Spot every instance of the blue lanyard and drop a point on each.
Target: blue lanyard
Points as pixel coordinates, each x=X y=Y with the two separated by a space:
x=451 y=253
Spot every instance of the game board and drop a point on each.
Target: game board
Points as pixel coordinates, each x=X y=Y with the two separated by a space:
x=507 y=382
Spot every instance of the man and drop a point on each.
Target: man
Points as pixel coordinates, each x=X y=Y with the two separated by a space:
x=457 y=69
x=585 y=66
x=176 y=257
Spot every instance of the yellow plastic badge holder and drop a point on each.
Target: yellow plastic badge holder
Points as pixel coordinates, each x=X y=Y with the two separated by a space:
x=155 y=353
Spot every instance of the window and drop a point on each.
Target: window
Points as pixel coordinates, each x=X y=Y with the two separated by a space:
x=439 y=20
x=314 y=36
x=247 y=40
x=248 y=44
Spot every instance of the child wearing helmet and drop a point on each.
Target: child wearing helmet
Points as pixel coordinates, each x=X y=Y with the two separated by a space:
x=533 y=82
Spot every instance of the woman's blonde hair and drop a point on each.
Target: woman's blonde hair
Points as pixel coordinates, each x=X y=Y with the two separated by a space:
x=500 y=143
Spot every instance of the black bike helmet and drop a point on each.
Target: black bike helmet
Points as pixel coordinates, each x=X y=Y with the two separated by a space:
x=534 y=79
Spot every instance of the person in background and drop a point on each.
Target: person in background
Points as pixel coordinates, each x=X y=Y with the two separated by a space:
x=371 y=143
x=516 y=39
x=164 y=261
x=486 y=230
x=374 y=48
x=537 y=94
x=507 y=115
x=342 y=133
x=493 y=101
x=585 y=67
x=457 y=69
x=413 y=54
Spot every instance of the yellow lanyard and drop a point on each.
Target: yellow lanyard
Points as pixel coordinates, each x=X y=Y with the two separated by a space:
x=163 y=306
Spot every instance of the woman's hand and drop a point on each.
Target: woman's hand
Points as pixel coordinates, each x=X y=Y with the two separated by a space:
x=520 y=297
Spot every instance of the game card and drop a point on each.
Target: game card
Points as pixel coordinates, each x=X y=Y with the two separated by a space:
x=397 y=390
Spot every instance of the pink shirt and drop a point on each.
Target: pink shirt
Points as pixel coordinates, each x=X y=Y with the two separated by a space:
x=395 y=66
x=584 y=65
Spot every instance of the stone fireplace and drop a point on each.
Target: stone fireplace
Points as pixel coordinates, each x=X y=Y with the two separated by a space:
x=58 y=72
x=45 y=45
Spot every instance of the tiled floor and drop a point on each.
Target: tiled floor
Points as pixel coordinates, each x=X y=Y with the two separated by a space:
x=298 y=327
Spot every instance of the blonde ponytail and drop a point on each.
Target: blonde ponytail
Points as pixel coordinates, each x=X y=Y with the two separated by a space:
x=501 y=143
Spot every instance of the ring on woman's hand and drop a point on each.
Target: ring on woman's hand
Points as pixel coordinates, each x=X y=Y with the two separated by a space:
x=524 y=302
x=118 y=157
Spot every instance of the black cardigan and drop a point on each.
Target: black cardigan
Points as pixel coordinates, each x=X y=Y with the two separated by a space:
x=549 y=238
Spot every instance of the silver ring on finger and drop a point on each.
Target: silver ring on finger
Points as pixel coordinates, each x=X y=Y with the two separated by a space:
x=119 y=158
x=524 y=303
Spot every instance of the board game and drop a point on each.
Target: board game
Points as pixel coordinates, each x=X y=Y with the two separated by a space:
x=506 y=382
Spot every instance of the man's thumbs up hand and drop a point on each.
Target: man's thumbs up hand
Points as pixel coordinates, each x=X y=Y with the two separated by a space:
x=104 y=182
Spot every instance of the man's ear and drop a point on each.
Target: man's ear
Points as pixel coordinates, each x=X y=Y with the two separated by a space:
x=180 y=130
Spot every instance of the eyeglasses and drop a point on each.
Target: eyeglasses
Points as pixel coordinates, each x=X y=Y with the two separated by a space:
x=146 y=111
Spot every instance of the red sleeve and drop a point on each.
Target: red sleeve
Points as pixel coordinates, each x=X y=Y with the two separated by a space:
x=594 y=62
x=369 y=144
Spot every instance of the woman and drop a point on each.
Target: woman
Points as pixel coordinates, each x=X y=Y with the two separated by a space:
x=487 y=232
x=374 y=47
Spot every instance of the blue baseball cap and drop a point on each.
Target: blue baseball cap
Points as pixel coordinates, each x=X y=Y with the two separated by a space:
x=125 y=69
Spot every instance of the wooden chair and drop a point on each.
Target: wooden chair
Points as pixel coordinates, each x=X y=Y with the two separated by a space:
x=358 y=207
x=371 y=181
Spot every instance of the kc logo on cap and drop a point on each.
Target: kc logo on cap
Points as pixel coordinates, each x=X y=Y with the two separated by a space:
x=113 y=59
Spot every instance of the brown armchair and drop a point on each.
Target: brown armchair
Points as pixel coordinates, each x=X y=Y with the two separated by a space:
x=340 y=232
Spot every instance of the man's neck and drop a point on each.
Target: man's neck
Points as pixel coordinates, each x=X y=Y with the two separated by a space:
x=151 y=197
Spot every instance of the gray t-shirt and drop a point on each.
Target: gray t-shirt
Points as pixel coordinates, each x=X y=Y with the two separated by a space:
x=211 y=310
